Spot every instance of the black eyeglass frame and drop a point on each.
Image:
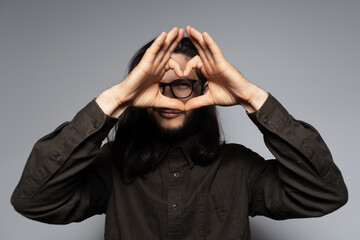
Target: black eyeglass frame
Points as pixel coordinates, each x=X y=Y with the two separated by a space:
x=192 y=81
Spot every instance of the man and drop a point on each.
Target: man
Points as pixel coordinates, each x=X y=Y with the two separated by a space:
x=167 y=175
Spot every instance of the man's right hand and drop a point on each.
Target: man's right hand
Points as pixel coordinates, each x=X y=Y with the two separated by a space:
x=141 y=86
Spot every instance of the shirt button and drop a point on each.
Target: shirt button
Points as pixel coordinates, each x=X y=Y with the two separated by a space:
x=174 y=206
x=267 y=121
x=176 y=174
x=96 y=124
x=73 y=141
x=58 y=157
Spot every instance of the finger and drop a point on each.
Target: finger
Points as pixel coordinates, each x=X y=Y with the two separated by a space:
x=213 y=47
x=198 y=102
x=166 y=102
x=171 y=37
x=187 y=30
x=193 y=63
x=152 y=51
x=196 y=44
x=197 y=36
x=175 y=66
x=172 y=47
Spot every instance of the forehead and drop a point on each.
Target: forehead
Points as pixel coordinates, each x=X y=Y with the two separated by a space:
x=182 y=60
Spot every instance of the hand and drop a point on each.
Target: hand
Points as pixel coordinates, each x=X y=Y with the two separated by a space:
x=226 y=86
x=143 y=82
x=141 y=86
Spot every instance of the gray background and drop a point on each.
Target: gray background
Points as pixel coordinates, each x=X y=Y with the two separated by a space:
x=56 y=56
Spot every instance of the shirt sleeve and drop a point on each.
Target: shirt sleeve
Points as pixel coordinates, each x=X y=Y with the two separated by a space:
x=66 y=177
x=303 y=181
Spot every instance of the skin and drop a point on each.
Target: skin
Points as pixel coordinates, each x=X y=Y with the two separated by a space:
x=226 y=85
x=171 y=118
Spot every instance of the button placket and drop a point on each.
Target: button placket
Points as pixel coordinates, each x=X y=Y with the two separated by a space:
x=177 y=163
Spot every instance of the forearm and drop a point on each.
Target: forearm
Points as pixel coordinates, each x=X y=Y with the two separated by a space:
x=303 y=181
x=57 y=175
x=257 y=98
x=113 y=101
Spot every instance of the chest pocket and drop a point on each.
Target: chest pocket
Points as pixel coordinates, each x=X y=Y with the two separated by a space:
x=221 y=216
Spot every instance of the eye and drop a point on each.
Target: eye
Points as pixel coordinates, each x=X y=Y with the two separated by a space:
x=182 y=84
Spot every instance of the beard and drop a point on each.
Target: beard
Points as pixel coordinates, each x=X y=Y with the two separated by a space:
x=187 y=129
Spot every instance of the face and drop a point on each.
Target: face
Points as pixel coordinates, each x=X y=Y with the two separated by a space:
x=170 y=119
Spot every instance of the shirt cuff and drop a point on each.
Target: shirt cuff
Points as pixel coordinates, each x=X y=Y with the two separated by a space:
x=271 y=116
x=91 y=119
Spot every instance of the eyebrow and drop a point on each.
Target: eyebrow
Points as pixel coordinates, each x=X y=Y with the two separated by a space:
x=196 y=80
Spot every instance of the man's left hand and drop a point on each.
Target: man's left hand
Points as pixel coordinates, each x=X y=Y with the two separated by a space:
x=226 y=86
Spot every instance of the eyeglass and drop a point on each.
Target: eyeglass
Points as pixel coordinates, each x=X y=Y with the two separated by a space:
x=180 y=88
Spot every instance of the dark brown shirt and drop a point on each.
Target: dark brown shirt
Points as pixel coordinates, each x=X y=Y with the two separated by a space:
x=70 y=177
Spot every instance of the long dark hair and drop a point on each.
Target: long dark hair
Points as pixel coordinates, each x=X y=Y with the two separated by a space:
x=139 y=147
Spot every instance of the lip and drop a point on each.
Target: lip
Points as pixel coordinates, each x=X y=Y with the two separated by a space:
x=168 y=113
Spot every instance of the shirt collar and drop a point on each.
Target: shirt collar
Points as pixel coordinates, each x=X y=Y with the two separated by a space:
x=186 y=147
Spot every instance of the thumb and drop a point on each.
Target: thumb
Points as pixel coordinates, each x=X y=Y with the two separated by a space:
x=198 y=102
x=172 y=103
